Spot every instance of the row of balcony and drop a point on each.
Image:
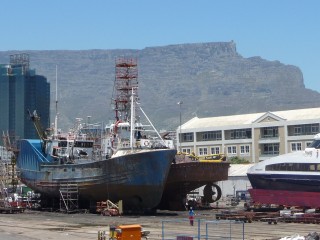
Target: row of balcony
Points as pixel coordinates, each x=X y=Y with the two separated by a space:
x=188 y=137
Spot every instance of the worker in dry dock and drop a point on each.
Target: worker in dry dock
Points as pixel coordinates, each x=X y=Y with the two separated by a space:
x=191 y=216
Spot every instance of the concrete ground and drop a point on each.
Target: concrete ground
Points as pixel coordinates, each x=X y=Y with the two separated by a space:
x=33 y=225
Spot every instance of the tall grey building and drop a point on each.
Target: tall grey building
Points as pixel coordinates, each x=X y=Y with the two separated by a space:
x=22 y=90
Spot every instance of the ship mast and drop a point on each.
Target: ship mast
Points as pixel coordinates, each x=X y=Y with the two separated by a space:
x=55 y=133
x=132 y=120
x=126 y=93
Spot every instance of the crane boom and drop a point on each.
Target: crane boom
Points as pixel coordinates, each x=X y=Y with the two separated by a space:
x=37 y=124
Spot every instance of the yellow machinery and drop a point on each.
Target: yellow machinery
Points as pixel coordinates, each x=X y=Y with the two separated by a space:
x=220 y=157
x=127 y=232
x=212 y=158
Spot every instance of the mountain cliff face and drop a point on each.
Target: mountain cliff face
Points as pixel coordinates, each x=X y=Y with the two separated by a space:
x=211 y=79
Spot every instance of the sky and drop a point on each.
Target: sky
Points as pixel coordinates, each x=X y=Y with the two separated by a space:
x=283 y=30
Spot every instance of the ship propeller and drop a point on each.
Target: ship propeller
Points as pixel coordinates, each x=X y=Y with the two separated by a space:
x=211 y=193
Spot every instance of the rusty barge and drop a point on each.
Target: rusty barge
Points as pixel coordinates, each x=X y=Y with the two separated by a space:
x=188 y=173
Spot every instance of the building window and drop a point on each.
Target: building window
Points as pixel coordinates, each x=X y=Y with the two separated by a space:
x=297 y=131
x=303 y=129
x=186 y=150
x=244 y=149
x=232 y=150
x=308 y=144
x=314 y=129
x=269 y=132
x=210 y=136
x=215 y=150
x=240 y=133
x=187 y=137
x=296 y=146
x=270 y=149
x=203 y=151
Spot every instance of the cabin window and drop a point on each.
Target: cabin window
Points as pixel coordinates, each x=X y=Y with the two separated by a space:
x=298 y=167
x=54 y=152
x=312 y=167
x=302 y=167
x=295 y=167
x=63 y=144
x=270 y=167
x=315 y=144
x=83 y=144
x=283 y=167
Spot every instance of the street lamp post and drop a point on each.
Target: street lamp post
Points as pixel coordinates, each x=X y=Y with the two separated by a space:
x=180 y=103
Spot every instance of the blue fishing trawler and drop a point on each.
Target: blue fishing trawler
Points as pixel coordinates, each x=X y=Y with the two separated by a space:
x=122 y=161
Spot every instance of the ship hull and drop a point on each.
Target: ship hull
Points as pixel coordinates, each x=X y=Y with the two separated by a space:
x=187 y=176
x=290 y=182
x=286 y=189
x=286 y=198
x=137 y=179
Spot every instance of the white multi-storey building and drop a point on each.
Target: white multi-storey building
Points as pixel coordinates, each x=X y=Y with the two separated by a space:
x=255 y=137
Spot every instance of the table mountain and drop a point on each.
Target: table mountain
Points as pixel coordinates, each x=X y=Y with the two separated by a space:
x=212 y=79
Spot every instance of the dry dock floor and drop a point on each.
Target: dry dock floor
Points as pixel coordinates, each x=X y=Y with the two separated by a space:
x=33 y=225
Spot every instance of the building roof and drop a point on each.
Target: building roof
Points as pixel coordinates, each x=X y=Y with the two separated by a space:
x=243 y=119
